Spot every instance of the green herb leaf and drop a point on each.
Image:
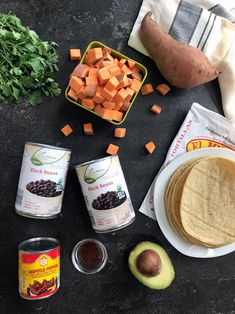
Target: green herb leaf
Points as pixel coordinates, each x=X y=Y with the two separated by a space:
x=35 y=64
x=16 y=35
x=35 y=98
x=15 y=92
x=6 y=89
x=27 y=63
x=16 y=71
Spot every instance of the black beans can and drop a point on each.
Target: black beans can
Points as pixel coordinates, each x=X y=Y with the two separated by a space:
x=106 y=194
x=42 y=180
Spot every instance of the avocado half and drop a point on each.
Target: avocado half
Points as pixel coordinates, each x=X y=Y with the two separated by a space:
x=161 y=280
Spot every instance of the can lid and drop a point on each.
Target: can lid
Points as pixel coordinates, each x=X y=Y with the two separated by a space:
x=89 y=256
x=48 y=146
x=40 y=244
x=95 y=161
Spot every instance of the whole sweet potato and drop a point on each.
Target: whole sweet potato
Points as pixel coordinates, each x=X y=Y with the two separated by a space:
x=182 y=65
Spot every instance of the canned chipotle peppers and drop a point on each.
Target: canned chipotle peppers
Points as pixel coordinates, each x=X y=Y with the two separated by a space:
x=39 y=268
x=106 y=194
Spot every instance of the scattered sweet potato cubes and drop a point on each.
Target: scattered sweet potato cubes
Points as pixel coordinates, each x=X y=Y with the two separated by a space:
x=105 y=82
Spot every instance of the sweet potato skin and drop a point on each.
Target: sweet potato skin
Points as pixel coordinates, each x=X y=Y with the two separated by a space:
x=182 y=65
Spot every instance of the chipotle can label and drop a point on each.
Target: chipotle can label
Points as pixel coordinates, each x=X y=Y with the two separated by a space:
x=39 y=273
x=42 y=180
x=106 y=194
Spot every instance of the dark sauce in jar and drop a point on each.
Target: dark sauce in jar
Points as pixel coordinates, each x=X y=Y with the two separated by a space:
x=89 y=256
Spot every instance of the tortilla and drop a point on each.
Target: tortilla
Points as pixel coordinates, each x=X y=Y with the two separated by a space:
x=207 y=207
x=198 y=188
x=173 y=199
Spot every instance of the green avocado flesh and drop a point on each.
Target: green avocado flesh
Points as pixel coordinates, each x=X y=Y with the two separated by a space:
x=158 y=281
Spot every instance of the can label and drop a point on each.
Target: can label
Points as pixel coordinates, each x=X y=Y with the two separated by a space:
x=42 y=180
x=39 y=274
x=106 y=194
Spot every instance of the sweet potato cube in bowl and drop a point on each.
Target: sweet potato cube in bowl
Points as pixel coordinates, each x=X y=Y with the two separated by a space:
x=105 y=82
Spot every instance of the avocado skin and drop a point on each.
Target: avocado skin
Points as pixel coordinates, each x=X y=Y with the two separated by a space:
x=159 y=281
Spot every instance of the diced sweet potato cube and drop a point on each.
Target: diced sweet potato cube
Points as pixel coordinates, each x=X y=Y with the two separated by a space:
x=116 y=62
x=112 y=83
x=156 y=109
x=163 y=89
x=107 y=94
x=98 y=98
x=91 y=80
x=121 y=62
x=136 y=84
x=120 y=96
x=130 y=81
x=81 y=92
x=120 y=132
x=67 y=130
x=114 y=70
x=76 y=83
x=146 y=89
x=88 y=103
x=105 y=63
x=117 y=106
x=103 y=75
x=109 y=104
x=135 y=69
x=123 y=80
x=90 y=90
x=107 y=56
x=112 y=149
x=88 y=61
x=150 y=147
x=93 y=72
x=126 y=70
x=97 y=109
x=75 y=54
x=81 y=70
x=137 y=75
x=106 y=114
x=94 y=54
x=105 y=50
x=131 y=64
x=92 y=76
x=98 y=65
x=130 y=94
x=88 y=129
x=117 y=115
x=72 y=94
x=125 y=105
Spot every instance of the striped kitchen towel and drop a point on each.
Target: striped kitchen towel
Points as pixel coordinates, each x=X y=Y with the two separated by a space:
x=206 y=24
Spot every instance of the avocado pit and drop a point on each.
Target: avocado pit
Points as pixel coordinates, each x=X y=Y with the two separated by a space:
x=149 y=263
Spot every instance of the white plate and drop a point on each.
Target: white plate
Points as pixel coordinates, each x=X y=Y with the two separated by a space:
x=172 y=236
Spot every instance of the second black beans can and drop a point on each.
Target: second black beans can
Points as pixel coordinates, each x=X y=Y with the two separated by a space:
x=106 y=194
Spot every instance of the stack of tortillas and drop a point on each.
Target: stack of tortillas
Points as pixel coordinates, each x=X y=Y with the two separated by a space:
x=200 y=201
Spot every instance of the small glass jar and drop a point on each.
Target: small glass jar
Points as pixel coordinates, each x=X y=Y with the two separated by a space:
x=89 y=256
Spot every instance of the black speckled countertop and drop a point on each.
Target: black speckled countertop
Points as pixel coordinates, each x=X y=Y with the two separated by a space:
x=200 y=285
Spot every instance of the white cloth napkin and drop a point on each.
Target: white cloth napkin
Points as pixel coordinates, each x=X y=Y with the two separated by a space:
x=206 y=24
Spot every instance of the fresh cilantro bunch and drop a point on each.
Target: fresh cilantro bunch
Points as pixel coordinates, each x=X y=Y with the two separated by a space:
x=27 y=64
